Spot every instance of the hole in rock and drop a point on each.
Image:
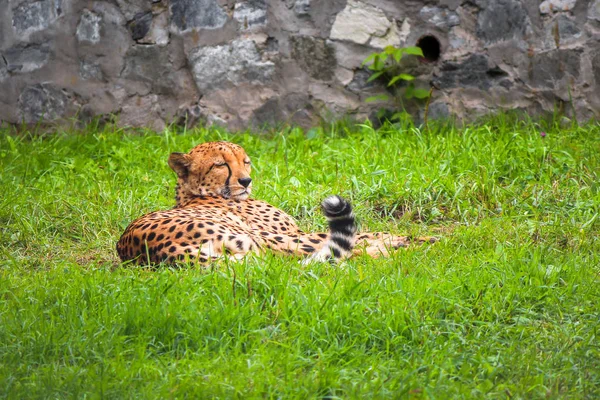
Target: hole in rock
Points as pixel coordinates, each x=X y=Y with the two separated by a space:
x=431 y=48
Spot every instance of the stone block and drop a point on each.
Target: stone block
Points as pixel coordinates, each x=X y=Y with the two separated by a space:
x=3 y=70
x=159 y=31
x=196 y=14
x=474 y=72
x=42 y=102
x=131 y=8
x=88 y=29
x=358 y=22
x=360 y=82
x=315 y=56
x=251 y=14
x=28 y=59
x=596 y=68
x=140 y=25
x=550 y=67
x=302 y=7
x=240 y=61
x=440 y=17
x=551 y=6
x=394 y=37
x=150 y=65
x=438 y=111
x=562 y=31
x=502 y=20
x=90 y=70
x=35 y=16
x=594 y=10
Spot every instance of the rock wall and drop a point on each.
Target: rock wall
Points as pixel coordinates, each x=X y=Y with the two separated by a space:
x=255 y=62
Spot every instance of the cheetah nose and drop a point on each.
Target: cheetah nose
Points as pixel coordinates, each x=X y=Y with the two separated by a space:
x=245 y=182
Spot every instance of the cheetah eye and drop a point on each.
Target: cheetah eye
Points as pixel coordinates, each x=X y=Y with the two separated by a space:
x=219 y=164
x=248 y=162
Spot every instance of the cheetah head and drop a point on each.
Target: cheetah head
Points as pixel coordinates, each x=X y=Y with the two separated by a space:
x=217 y=169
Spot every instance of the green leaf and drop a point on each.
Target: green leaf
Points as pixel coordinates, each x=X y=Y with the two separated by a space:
x=404 y=77
x=415 y=51
x=379 y=97
x=371 y=57
x=389 y=50
x=379 y=62
x=421 y=93
x=409 y=93
x=398 y=116
x=398 y=55
x=375 y=76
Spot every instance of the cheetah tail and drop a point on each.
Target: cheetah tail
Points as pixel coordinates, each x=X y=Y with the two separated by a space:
x=342 y=230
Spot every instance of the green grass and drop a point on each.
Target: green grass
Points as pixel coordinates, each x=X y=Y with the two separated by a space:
x=506 y=305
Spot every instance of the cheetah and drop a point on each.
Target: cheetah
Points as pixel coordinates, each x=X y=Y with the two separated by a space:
x=214 y=216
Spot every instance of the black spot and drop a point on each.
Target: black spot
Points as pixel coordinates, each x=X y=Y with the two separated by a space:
x=264 y=233
x=160 y=237
x=200 y=225
x=196 y=235
x=322 y=235
x=296 y=240
x=308 y=249
x=172 y=249
x=189 y=227
x=166 y=221
x=219 y=237
x=151 y=236
x=210 y=231
x=315 y=241
x=136 y=240
x=239 y=244
x=172 y=228
x=279 y=239
x=179 y=234
x=154 y=226
x=184 y=244
x=168 y=243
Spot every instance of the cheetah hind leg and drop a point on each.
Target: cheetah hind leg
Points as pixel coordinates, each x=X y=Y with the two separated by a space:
x=380 y=244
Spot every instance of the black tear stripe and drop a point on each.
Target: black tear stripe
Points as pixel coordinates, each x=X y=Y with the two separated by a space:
x=228 y=178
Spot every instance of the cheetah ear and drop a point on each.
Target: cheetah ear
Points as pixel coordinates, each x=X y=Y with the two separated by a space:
x=180 y=163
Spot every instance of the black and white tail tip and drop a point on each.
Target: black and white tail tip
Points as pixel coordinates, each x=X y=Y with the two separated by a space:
x=342 y=230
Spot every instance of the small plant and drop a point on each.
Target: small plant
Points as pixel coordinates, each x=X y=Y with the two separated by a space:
x=386 y=65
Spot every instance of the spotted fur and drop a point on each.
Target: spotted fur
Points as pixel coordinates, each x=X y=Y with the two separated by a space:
x=215 y=215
